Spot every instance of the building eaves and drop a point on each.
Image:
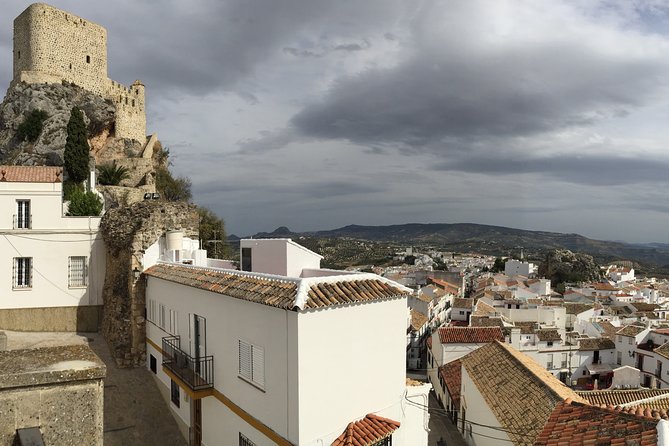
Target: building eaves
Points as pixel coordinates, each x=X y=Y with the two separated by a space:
x=367 y=432
x=31 y=174
x=279 y=291
x=470 y=335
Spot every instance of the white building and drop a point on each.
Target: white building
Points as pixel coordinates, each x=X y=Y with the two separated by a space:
x=286 y=353
x=514 y=267
x=47 y=260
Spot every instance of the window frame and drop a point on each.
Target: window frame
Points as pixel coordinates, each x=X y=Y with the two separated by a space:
x=23 y=216
x=175 y=393
x=84 y=272
x=255 y=362
x=27 y=282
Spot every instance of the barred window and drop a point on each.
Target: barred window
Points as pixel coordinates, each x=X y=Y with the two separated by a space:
x=22 y=276
x=252 y=363
x=77 y=271
x=22 y=219
x=243 y=441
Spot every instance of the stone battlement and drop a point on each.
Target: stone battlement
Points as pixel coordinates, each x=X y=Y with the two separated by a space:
x=52 y=46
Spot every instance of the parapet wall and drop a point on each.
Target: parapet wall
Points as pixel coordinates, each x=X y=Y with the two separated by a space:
x=52 y=46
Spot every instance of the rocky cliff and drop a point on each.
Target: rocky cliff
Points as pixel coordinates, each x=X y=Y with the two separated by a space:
x=564 y=266
x=57 y=101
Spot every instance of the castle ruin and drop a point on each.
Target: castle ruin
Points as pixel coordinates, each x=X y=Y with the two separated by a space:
x=52 y=46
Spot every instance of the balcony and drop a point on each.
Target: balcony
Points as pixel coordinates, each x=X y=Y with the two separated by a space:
x=196 y=373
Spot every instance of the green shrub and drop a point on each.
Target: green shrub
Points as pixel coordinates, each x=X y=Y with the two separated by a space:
x=84 y=203
x=111 y=174
x=172 y=189
x=69 y=188
x=31 y=127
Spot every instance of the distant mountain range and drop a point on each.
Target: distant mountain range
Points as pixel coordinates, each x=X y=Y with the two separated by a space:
x=494 y=240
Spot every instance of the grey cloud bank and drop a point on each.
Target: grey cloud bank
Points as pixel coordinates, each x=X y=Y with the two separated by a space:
x=317 y=114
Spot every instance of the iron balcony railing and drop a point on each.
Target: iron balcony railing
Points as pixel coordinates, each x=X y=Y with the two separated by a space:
x=196 y=373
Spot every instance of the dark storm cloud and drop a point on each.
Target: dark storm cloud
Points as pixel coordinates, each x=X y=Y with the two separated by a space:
x=438 y=95
x=595 y=170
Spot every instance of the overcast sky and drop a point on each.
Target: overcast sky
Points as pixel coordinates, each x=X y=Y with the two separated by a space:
x=315 y=114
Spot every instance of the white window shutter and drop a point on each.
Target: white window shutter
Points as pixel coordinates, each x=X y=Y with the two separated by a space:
x=258 y=365
x=245 y=360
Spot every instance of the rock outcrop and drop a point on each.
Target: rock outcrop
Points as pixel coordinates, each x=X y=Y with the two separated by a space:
x=564 y=266
x=128 y=232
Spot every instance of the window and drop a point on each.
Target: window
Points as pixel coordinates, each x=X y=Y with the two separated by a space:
x=174 y=394
x=564 y=361
x=243 y=441
x=549 y=362
x=619 y=358
x=161 y=316
x=619 y=338
x=252 y=363
x=22 y=214
x=153 y=365
x=629 y=341
x=22 y=276
x=18 y=55
x=88 y=59
x=462 y=313
x=174 y=323
x=549 y=343
x=151 y=310
x=246 y=259
x=77 y=271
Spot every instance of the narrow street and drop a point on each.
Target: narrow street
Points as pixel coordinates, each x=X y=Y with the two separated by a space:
x=442 y=431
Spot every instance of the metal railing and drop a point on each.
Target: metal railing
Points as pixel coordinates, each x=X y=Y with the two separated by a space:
x=196 y=373
x=22 y=222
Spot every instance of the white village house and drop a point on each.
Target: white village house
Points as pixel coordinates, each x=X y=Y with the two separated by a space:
x=282 y=353
x=53 y=265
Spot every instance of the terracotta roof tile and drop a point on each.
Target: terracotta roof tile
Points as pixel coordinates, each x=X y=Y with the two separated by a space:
x=630 y=330
x=519 y=391
x=663 y=350
x=548 y=334
x=31 y=174
x=276 y=291
x=620 y=397
x=470 y=335
x=463 y=303
x=576 y=308
x=577 y=424
x=609 y=329
x=451 y=373
x=591 y=344
x=367 y=431
x=418 y=319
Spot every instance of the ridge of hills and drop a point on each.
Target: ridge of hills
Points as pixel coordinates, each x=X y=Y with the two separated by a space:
x=651 y=258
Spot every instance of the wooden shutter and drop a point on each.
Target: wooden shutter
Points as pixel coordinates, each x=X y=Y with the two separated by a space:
x=258 y=365
x=245 y=360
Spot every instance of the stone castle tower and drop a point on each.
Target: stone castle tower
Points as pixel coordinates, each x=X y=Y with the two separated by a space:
x=52 y=46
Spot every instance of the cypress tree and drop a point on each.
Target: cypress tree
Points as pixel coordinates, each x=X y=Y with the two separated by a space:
x=76 y=147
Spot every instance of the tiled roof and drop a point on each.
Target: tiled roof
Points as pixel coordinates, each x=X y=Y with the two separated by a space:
x=609 y=329
x=630 y=330
x=577 y=424
x=277 y=291
x=470 y=335
x=526 y=327
x=548 y=334
x=663 y=350
x=620 y=397
x=483 y=309
x=576 y=308
x=604 y=287
x=591 y=344
x=643 y=306
x=452 y=376
x=486 y=321
x=31 y=174
x=366 y=432
x=418 y=319
x=520 y=392
x=462 y=303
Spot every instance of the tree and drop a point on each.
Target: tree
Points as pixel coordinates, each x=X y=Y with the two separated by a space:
x=111 y=174
x=76 y=147
x=212 y=234
x=498 y=266
x=172 y=189
x=31 y=127
x=84 y=203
